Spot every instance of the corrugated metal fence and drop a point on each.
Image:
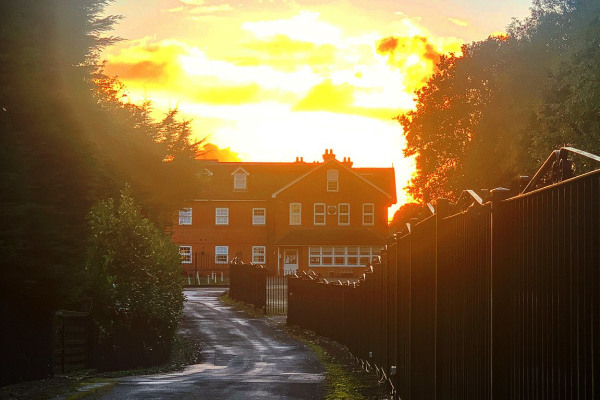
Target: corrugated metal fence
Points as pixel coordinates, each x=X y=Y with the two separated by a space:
x=499 y=301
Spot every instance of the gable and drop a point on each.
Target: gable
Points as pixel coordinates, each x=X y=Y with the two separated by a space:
x=318 y=179
x=240 y=170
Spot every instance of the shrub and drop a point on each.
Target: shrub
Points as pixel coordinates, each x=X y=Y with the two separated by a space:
x=135 y=282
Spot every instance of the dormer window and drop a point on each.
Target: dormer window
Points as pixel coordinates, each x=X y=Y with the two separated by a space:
x=239 y=179
x=332 y=180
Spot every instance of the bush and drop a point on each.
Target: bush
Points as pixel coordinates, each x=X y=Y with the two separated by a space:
x=135 y=282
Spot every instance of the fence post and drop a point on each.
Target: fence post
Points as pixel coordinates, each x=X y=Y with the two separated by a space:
x=442 y=211
x=499 y=306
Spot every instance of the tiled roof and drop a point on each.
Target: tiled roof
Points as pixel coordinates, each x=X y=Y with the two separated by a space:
x=267 y=178
x=331 y=236
x=263 y=179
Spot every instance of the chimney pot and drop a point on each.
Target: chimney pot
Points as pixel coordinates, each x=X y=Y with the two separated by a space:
x=328 y=155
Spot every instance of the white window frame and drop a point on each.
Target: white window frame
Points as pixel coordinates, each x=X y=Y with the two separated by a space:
x=221 y=254
x=342 y=256
x=343 y=214
x=186 y=254
x=321 y=214
x=239 y=181
x=259 y=254
x=257 y=218
x=185 y=216
x=366 y=216
x=221 y=216
x=295 y=214
x=333 y=184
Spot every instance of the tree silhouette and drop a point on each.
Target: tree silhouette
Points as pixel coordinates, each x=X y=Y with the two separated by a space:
x=67 y=140
x=496 y=112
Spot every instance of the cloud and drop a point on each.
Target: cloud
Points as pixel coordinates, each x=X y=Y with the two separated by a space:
x=211 y=9
x=214 y=152
x=145 y=62
x=338 y=98
x=286 y=54
x=305 y=26
x=415 y=56
x=326 y=96
x=398 y=47
x=200 y=7
x=226 y=95
x=459 y=22
x=146 y=70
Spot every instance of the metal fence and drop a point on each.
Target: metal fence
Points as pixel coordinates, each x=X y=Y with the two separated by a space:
x=252 y=284
x=546 y=315
x=277 y=294
x=498 y=301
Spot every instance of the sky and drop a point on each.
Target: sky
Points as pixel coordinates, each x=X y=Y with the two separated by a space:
x=272 y=80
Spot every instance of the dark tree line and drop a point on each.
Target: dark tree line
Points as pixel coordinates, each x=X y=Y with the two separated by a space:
x=67 y=142
x=497 y=111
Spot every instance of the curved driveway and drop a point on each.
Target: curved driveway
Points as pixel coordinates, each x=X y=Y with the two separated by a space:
x=242 y=359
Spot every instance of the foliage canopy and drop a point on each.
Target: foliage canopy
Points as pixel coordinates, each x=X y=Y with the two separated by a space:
x=135 y=273
x=66 y=141
x=497 y=111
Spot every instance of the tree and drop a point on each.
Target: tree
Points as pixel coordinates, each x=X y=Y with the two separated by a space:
x=149 y=155
x=65 y=144
x=135 y=276
x=443 y=130
x=479 y=122
x=407 y=213
x=48 y=169
x=569 y=112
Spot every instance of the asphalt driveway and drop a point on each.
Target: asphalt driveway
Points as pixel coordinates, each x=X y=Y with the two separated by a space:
x=242 y=359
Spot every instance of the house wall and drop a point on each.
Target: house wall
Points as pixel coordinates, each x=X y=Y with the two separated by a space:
x=239 y=235
x=313 y=189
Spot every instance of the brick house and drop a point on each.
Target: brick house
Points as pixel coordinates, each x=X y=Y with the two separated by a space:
x=324 y=216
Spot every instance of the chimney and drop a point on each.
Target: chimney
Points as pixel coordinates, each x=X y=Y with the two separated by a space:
x=328 y=155
x=347 y=162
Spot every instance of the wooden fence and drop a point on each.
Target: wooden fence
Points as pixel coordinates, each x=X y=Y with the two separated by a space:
x=499 y=301
x=74 y=340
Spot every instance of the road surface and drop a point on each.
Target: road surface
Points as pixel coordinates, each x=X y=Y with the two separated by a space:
x=242 y=359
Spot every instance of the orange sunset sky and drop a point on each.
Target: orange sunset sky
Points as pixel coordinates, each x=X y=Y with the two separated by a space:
x=275 y=80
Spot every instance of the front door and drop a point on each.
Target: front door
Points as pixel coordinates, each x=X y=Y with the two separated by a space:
x=290 y=261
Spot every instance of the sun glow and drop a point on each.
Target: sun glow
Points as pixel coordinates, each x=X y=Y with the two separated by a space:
x=292 y=87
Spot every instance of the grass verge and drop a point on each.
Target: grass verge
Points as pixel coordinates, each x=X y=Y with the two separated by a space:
x=345 y=378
